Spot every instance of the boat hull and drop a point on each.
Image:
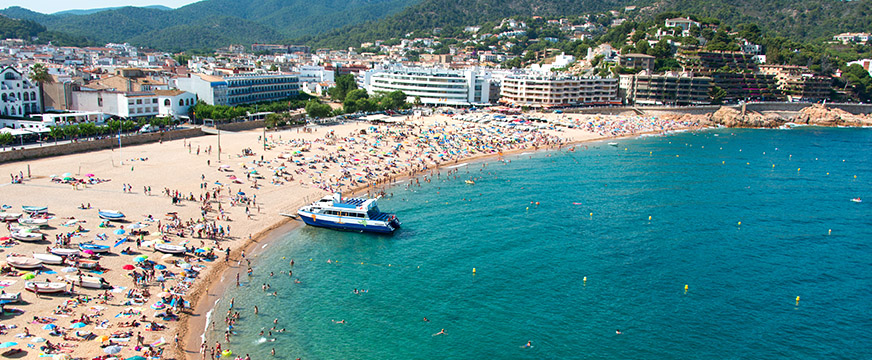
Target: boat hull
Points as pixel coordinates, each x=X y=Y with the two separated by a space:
x=65 y=252
x=170 y=249
x=45 y=288
x=110 y=215
x=90 y=282
x=49 y=259
x=24 y=263
x=351 y=225
x=99 y=249
x=27 y=236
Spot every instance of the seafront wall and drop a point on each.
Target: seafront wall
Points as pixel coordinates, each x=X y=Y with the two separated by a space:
x=93 y=145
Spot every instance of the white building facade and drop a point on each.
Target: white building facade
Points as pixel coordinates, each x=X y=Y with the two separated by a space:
x=239 y=89
x=122 y=104
x=554 y=91
x=174 y=103
x=433 y=86
x=18 y=95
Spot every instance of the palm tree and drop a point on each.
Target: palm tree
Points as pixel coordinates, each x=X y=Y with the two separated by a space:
x=39 y=74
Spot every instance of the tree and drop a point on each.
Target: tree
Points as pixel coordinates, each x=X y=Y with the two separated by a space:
x=39 y=74
x=717 y=94
x=56 y=132
x=5 y=139
x=272 y=120
x=344 y=84
x=316 y=109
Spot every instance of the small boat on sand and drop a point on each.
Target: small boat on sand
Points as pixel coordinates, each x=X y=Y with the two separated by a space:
x=49 y=259
x=32 y=221
x=170 y=249
x=25 y=263
x=97 y=249
x=35 y=209
x=91 y=282
x=7 y=216
x=65 y=252
x=44 y=287
x=87 y=264
x=27 y=236
x=111 y=215
x=10 y=297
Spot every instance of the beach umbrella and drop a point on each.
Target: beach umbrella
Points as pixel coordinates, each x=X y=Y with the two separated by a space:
x=4 y=238
x=8 y=344
x=89 y=175
x=120 y=232
x=89 y=252
x=28 y=276
x=160 y=267
x=112 y=350
x=240 y=193
x=37 y=339
x=127 y=267
x=200 y=251
x=49 y=327
x=78 y=325
x=160 y=342
x=69 y=269
x=66 y=175
x=120 y=242
x=137 y=357
x=102 y=338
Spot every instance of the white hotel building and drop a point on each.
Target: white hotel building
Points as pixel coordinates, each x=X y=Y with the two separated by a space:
x=549 y=90
x=433 y=86
x=18 y=96
x=240 y=89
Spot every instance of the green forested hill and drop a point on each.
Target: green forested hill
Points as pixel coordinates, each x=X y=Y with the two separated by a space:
x=431 y=14
x=214 y=23
x=26 y=29
x=796 y=19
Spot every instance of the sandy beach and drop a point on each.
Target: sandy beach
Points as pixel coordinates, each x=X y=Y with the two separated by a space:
x=181 y=193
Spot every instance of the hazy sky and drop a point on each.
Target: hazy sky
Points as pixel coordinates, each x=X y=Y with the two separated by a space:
x=52 y=6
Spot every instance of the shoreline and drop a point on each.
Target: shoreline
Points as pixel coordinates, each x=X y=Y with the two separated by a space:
x=214 y=285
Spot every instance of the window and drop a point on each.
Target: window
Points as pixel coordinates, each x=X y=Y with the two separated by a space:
x=181 y=102
x=26 y=97
x=138 y=101
x=154 y=101
x=33 y=95
x=167 y=102
x=100 y=102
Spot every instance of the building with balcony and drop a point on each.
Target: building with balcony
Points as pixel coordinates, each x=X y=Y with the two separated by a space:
x=746 y=86
x=636 y=61
x=665 y=89
x=433 y=86
x=239 y=89
x=558 y=90
x=18 y=95
x=708 y=62
x=798 y=83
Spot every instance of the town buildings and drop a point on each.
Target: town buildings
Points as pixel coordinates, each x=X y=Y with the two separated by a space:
x=239 y=89
x=558 y=90
x=672 y=88
x=19 y=97
x=431 y=85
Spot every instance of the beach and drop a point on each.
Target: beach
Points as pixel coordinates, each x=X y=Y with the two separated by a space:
x=182 y=193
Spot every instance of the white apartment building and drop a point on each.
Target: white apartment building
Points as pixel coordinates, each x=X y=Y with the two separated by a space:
x=548 y=91
x=174 y=103
x=238 y=89
x=18 y=96
x=122 y=104
x=433 y=86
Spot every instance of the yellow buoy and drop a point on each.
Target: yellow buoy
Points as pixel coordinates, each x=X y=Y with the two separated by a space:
x=747 y=163
x=740 y=223
x=797 y=300
x=773 y=166
x=473 y=270
x=584 y=279
x=723 y=162
x=685 y=287
x=591 y=214
x=830 y=232
x=676 y=155
x=855 y=176
x=797 y=169
x=649 y=217
x=828 y=173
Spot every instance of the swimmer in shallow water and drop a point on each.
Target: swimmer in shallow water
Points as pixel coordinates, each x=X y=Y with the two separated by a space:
x=529 y=344
x=618 y=332
x=441 y=332
x=338 y=322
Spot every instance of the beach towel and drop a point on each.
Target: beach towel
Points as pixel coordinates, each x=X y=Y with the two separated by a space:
x=6 y=283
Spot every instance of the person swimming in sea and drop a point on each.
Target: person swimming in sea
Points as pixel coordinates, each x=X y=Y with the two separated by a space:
x=338 y=322
x=441 y=332
x=618 y=332
x=426 y=319
x=529 y=344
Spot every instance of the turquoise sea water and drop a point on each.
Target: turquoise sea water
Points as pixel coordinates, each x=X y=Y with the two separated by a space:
x=531 y=260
